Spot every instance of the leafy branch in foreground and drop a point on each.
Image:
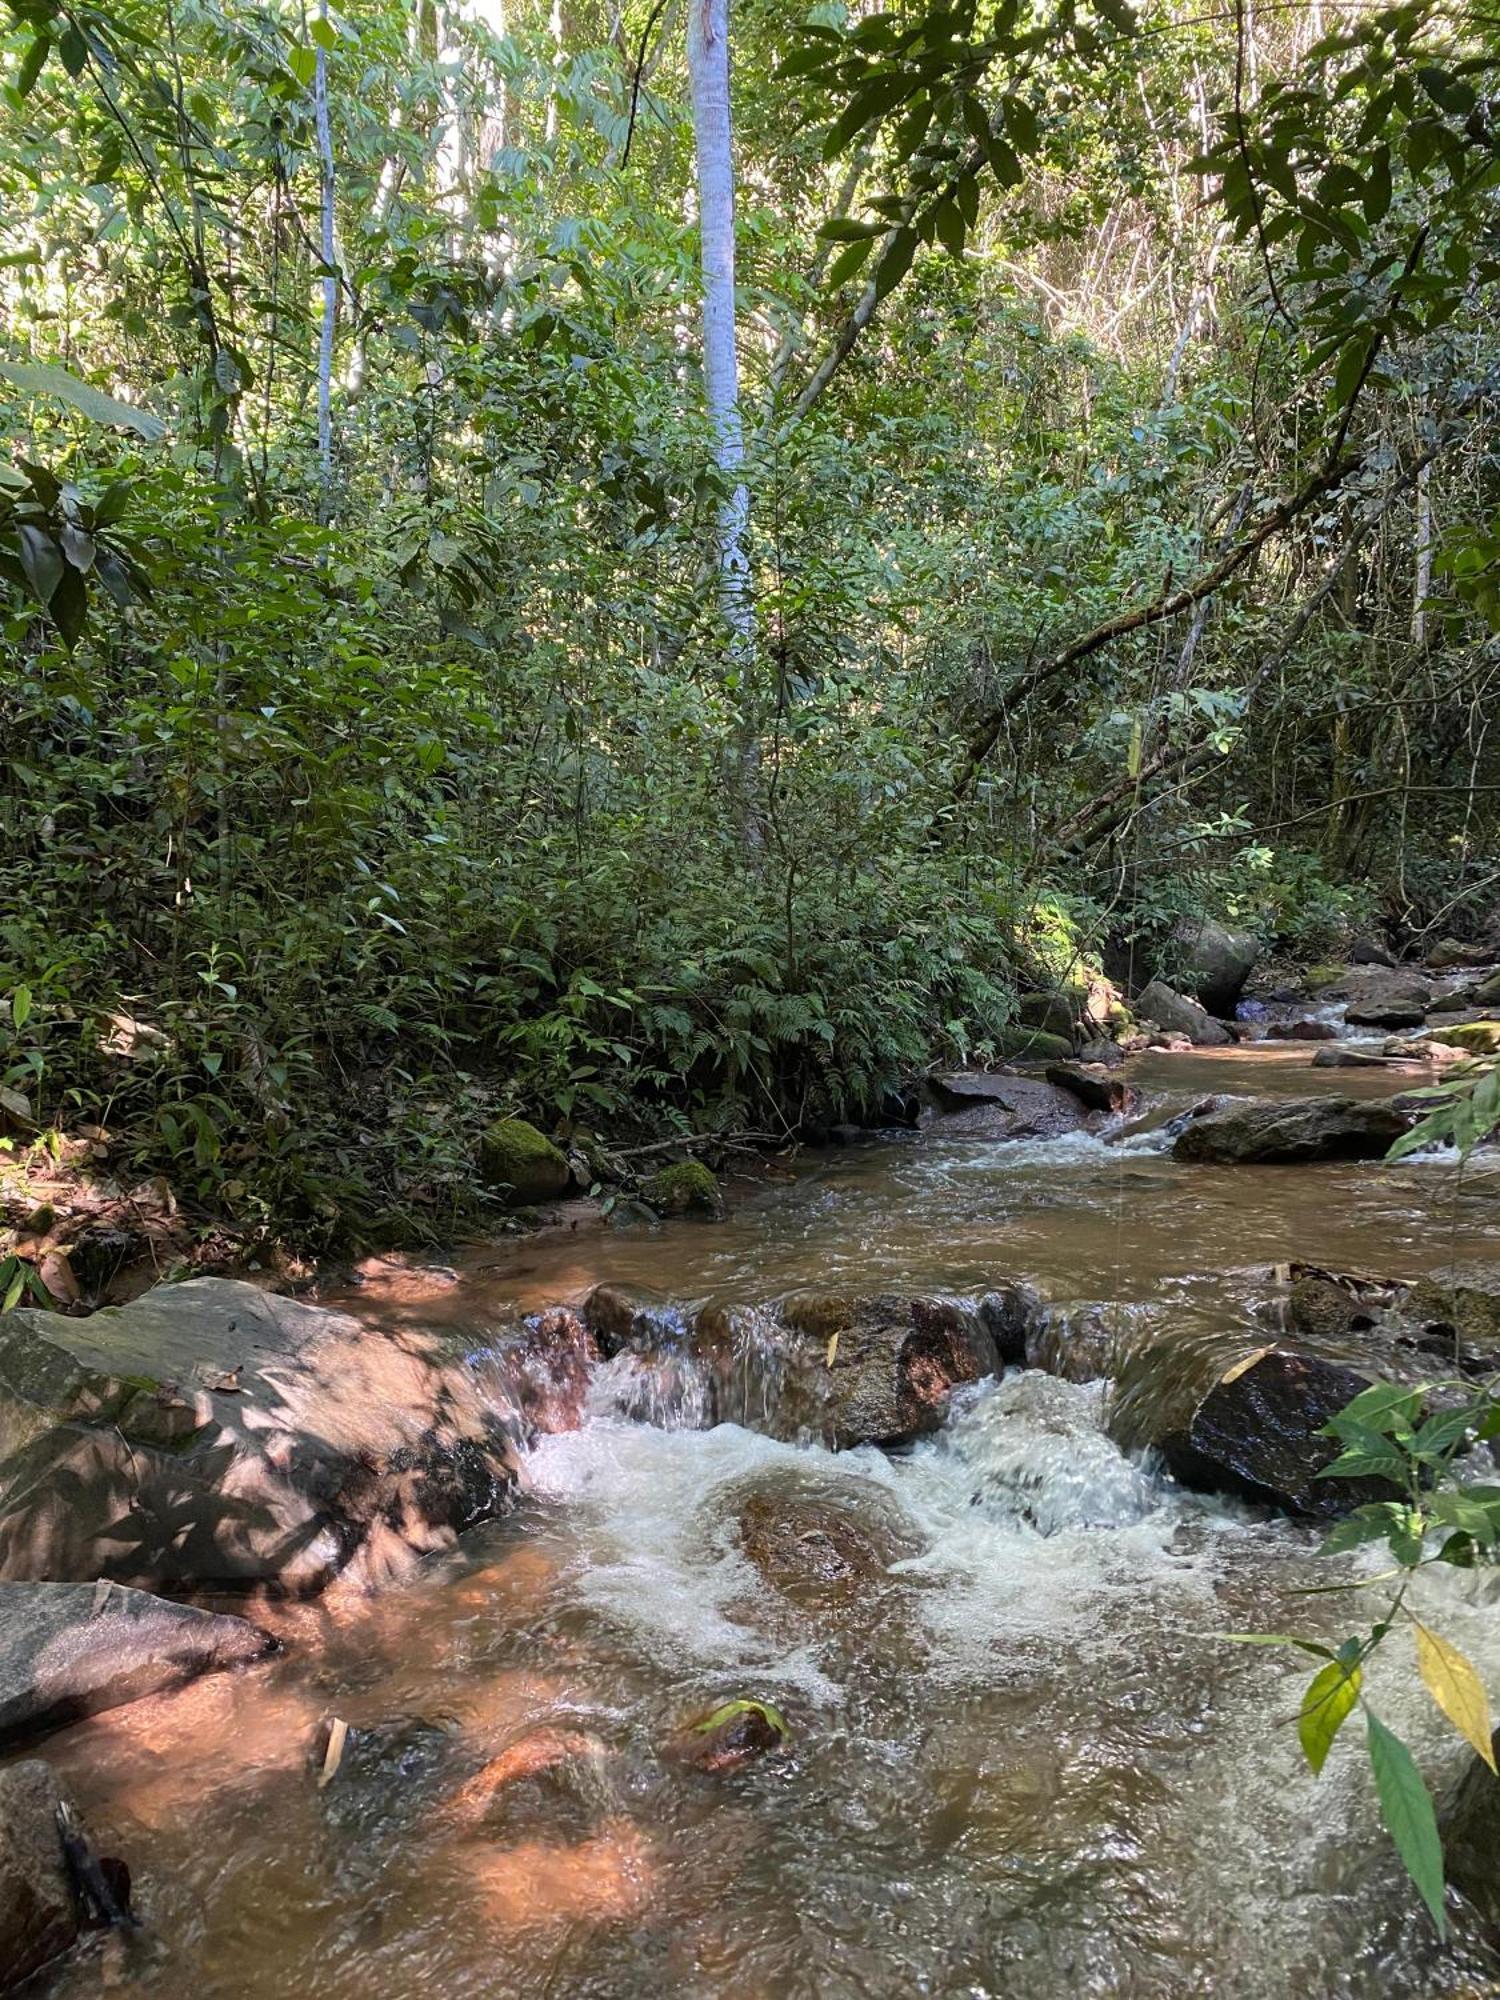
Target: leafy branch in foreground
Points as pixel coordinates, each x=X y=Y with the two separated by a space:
x=1398 y=1436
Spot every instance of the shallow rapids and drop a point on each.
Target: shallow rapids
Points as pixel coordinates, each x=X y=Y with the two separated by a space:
x=1024 y=1759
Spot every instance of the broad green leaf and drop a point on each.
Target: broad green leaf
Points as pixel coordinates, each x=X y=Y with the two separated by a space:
x=1406 y=1808
x=1457 y=1689
x=303 y=63
x=20 y=1006
x=1331 y=1694
x=38 y=378
x=32 y=63
x=41 y=559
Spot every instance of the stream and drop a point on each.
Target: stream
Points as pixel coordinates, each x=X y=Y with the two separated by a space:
x=1023 y=1759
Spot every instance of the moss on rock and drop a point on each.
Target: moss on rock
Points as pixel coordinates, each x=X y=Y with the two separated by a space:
x=516 y=1159
x=1021 y=1044
x=687 y=1188
x=1478 y=1038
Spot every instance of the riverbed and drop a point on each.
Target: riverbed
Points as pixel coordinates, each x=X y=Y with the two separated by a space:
x=1024 y=1759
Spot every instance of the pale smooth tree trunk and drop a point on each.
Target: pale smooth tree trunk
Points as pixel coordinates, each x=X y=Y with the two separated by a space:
x=330 y=275
x=708 y=70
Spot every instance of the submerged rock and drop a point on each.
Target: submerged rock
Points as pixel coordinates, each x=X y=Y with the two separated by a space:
x=1001 y=1104
x=1279 y=1131
x=729 y=1737
x=519 y=1161
x=213 y=1434
x=1181 y=1016
x=39 y=1917
x=1255 y=1435
x=818 y=1550
x=68 y=1650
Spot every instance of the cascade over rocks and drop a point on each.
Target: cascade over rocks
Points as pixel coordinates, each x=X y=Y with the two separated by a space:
x=889 y=1365
x=1256 y=1435
x=1180 y=1016
x=39 y=1917
x=211 y=1434
x=1280 y=1131
x=68 y=1650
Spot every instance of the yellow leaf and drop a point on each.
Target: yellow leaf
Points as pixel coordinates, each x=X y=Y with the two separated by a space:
x=1457 y=1690
x=833 y=1349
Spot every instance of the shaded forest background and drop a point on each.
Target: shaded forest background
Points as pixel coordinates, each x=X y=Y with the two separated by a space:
x=1117 y=397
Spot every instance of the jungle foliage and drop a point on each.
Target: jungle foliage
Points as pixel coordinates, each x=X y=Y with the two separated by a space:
x=1117 y=387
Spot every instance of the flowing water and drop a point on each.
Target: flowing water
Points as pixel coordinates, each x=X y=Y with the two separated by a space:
x=1023 y=1758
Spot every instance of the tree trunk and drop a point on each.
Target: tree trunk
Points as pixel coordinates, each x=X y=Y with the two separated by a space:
x=708 y=69
x=330 y=277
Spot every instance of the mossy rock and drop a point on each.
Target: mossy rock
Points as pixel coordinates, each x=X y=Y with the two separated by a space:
x=517 y=1160
x=1021 y=1044
x=1329 y=973
x=686 y=1188
x=1478 y=1038
x=1054 y=1014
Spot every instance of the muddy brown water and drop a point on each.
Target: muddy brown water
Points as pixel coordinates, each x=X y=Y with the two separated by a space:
x=1024 y=1759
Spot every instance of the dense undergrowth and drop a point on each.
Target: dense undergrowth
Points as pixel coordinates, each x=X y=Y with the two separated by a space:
x=359 y=786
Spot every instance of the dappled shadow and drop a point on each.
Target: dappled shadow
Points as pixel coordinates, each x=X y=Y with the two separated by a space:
x=218 y=1437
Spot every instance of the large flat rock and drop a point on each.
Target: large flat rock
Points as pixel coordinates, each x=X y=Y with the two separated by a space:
x=214 y=1434
x=1283 y=1131
x=68 y=1650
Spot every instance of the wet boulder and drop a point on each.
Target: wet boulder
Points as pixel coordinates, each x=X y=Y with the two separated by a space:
x=1330 y=1306
x=1456 y=1312
x=884 y=1368
x=68 y=1650
x=1257 y=1436
x=39 y=1917
x=211 y=1434
x=1000 y=1104
x=1213 y=962
x=1178 y=1015
x=1287 y=1130
x=1470 y=1827
x=1094 y=1087
x=630 y=1316
x=542 y=1371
